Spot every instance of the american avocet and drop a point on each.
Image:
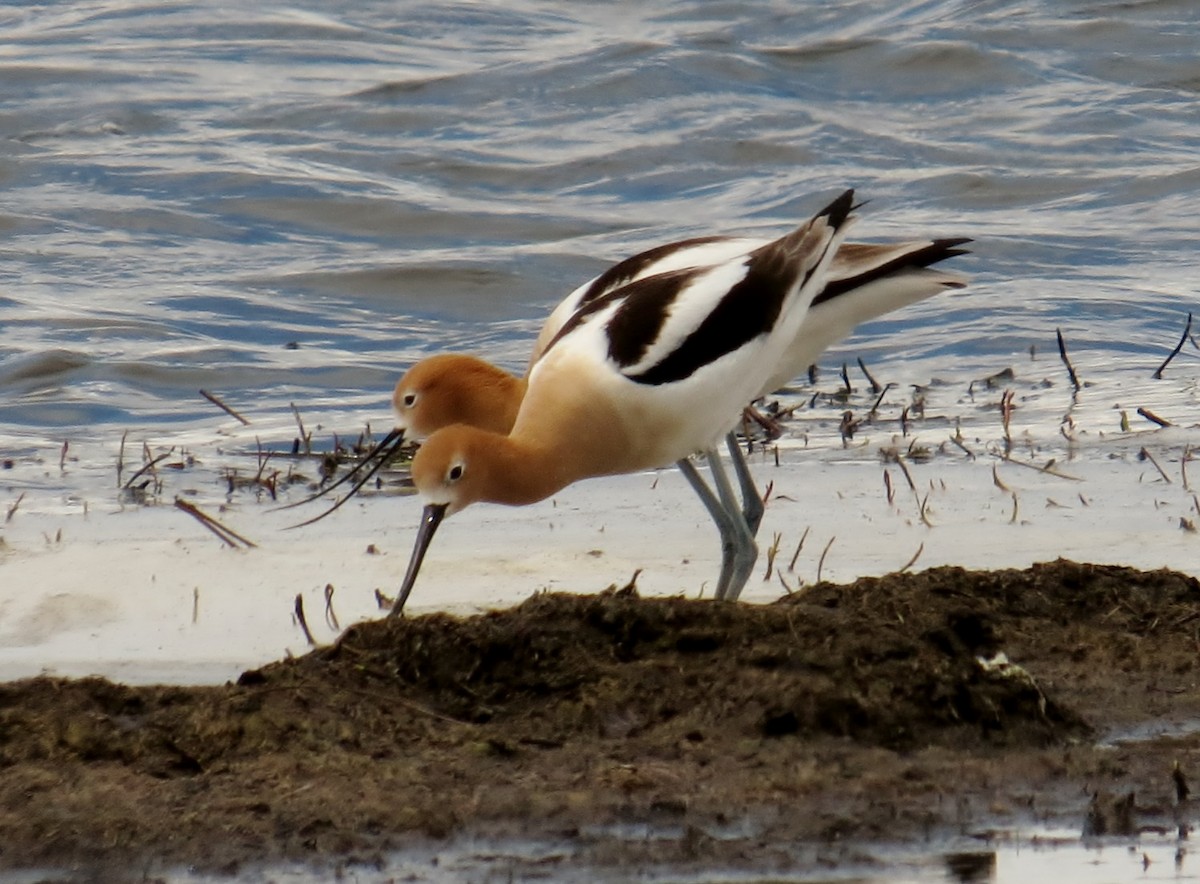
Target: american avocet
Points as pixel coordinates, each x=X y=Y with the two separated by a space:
x=864 y=281
x=638 y=378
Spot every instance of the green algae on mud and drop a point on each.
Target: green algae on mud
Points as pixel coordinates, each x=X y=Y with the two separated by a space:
x=883 y=708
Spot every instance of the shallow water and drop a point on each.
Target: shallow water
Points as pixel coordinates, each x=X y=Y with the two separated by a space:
x=1036 y=857
x=289 y=205
x=282 y=205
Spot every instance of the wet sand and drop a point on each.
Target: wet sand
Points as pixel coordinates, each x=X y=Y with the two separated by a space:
x=162 y=708
x=875 y=711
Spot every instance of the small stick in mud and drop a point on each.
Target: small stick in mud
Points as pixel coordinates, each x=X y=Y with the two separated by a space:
x=875 y=388
x=996 y=480
x=772 y=552
x=1062 y=352
x=630 y=588
x=913 y=560
x=1183 y=462
x=874 y=408
x=149 y=465
x=821 y=561
x=1187 y=330
x=12 y=510
x=1047 y=467
x=1146 y=455
x=848 y=427
x=1013 y=520
x=783 y=582
x=887 y=484
x=121 y=458
x=62 y=457
x=305 y=438
x=330 y=616
x=195 y=604
x=907 y=474
x=225 y=408
x=1152 y=417
x=799 y=546
x=302 y=620
x=1006 y=411
x=925 y=510
x=846 y=379
x=229 y=536
x=957 y=440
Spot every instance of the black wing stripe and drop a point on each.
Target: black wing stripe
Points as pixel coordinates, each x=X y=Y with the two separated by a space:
x=938 y=250
x=750 y=308
x=631 y=268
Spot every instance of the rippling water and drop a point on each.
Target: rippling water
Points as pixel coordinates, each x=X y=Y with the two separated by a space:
x=285 y=205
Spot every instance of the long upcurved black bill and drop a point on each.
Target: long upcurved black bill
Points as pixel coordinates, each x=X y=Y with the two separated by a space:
x=380 y=454
x=430 y=519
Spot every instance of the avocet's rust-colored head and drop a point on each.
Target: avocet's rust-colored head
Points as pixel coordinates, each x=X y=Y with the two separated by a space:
x=461 y=465
x=450 y=473
x=456 y=389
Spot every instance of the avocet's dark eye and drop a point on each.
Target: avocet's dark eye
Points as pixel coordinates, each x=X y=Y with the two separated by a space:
x=410 y=399
x=455 y=473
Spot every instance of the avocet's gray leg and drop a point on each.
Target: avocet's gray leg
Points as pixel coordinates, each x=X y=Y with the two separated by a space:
x=752 y=504
x=745 y=550
x=724 y=521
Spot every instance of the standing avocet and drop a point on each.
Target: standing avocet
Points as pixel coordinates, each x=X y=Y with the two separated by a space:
x=864 y=281
x=639 y=378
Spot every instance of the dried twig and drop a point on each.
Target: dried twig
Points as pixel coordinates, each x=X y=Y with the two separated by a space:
x=330 y=616
x=1153 y=418
x=875 y=407
x=821 y=561
x=1062 y=351
x=12 y=510
x=924 y=506
x=225 y=408
x=1047 y=468
x=302 y=620
x=796 y=554
x=121 y=458
x=913 y=560
x=875 y=388
x=305 y=439
x=996 y=480
x=1006 y=411
x=1187 y=330
x=772 y=552
x=229 y=536
x=62 y=457
x=1146 y=455
x=783 y=583
x=150 y=465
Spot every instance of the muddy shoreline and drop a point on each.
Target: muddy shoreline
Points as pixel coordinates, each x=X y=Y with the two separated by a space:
x=897 y=708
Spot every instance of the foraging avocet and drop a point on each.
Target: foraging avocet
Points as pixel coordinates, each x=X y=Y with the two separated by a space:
x=638 y=378
x=864 y=281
